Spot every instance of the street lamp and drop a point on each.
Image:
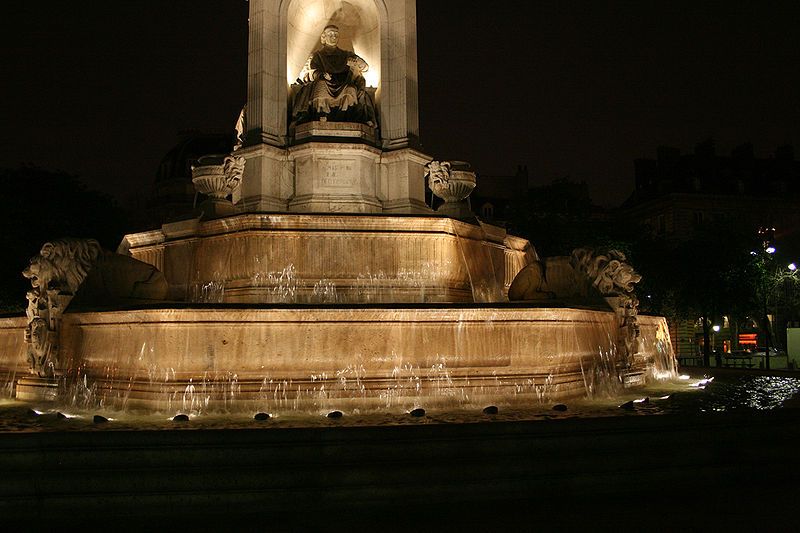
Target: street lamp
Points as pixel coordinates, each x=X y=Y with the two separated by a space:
x=779 y=276
x=770 y=250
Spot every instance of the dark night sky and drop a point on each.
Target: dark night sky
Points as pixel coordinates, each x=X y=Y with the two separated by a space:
x=570 y=88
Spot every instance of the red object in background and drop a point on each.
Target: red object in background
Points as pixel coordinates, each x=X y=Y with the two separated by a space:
x=748 y=339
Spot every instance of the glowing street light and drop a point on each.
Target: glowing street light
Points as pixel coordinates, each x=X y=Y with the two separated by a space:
x=716 y=328
x=792 y=267
x=770 y=249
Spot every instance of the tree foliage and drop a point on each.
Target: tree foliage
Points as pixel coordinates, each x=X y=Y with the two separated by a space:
x=42 y=205
x=559 y=217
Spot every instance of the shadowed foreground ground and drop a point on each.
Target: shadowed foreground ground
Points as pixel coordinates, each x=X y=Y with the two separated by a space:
x=696 y=472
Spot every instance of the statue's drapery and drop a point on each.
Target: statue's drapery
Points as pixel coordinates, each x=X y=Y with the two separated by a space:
x=332 y=87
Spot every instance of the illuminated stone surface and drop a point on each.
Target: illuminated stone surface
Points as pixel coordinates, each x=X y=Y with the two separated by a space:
x=294 y=258
x=280 y=359
x=382 y=175
x=327 y=282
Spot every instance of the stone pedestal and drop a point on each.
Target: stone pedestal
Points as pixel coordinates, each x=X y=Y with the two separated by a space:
x=294 y=168
x=403 y=181
x=335 y=130
x=335 y=177
x=268 y=180
x=335 y=167
x=284 y=33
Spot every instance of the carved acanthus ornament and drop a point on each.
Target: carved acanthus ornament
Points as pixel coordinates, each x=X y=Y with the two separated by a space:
x=233 y=167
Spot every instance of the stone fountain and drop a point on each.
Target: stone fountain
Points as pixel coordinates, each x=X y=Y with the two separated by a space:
x=315 y=276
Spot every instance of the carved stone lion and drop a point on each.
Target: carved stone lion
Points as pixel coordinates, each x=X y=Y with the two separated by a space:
x=65 y=265
x=610 y=273
x=78 y=271
x=62 y=264
x=614 y=278
x=530 y=283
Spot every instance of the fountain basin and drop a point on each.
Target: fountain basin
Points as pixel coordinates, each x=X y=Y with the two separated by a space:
x=315 y=357
x=332 y=258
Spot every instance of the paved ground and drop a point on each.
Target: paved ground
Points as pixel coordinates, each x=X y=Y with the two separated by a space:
x=667 y=472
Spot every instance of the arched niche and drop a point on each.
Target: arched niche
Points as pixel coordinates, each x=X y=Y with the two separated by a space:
x=359 y=30
x=283 y=33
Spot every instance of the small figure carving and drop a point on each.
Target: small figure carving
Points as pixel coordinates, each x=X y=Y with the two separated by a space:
x=332 y=85
x=453 y=182
x=61 y=268
x=37 y=335
x=241 y=129
x=438 y=174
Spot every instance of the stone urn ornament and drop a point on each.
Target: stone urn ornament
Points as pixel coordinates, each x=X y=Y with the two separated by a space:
x=217 y=176
x=453 y=182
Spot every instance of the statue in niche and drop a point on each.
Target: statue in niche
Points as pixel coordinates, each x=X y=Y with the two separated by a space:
x=332 y=86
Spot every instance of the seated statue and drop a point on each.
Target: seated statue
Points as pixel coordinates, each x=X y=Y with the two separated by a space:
x=332 y=86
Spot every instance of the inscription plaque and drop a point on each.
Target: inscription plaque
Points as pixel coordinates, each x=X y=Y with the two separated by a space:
x=337 y=173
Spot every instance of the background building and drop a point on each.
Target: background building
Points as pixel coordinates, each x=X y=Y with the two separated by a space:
x=675 y=193
x=678 y=194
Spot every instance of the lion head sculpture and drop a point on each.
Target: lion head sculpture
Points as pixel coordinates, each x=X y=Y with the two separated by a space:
x=62 y=264
x=610 y=273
